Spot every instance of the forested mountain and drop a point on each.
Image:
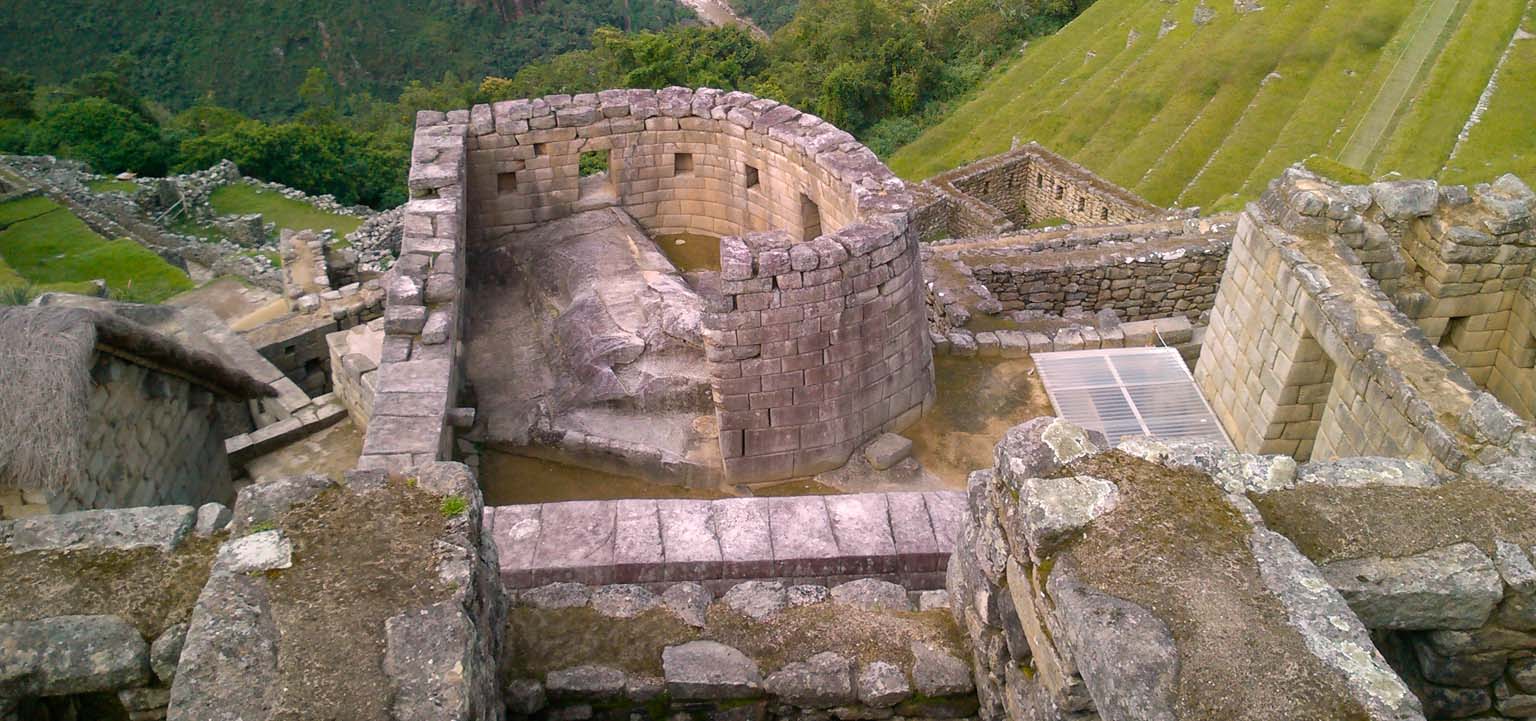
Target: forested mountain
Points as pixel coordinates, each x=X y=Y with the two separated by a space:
x=252 y=55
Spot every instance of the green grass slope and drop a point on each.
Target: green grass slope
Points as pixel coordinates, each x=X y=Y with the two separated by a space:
x=1206 y=114
x=43 y=245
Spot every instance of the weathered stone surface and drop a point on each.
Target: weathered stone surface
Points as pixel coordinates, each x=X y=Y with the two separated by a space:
x=707 y=670
x=887 y=450
x=261 y=503
x=872 y=595
x=641 y=689
x=525 y=696
x=1522 y=672
x=1449 y=588
x=265 y=551
x=557 y=595
x=228 y=669
x=1362 y=472
x=822 y=681
x=1406 y=200
x=882 y=685
x=586 y=683
x=936 y=673
x=1489 y=421
x=1126 y=656
x=429 y=656
x=932 y=600
x=1039 y=447
x=1449 y=702
x=165 y=652
x=807 y=594
x=159 y=527
x=1468 y=670
x=71 y=655
x=211 y=518
x=758 y=599
x=1510 y=702
x=623 y=601
x=689 y=602
x=1051 y=511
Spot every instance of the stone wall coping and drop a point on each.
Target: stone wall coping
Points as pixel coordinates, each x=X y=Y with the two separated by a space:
x=906 y=536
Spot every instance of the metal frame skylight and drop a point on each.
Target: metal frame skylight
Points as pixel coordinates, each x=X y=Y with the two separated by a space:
x=1128 y=392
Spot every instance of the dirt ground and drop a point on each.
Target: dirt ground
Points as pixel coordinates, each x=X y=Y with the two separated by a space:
x=331 y=452
x=977 y=402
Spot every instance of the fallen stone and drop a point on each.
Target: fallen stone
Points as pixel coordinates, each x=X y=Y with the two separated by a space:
x=265 y=551
x=211 y=518
x=807 y=594
x=822 y=681
x=557 y=595
x=585 y=683
x=266 y=502
x=1406 y=200
x=882 y=685
x=1039 y=447
x=757 y=599
x=689 y=602
x=936 y=673
x=872 y=595
x=165 y=653
x=933 y=600
x=525 y=696
x=887 y=450
x=1447 y=588
x=70 y=655
x=623 y=601
x=706 y=670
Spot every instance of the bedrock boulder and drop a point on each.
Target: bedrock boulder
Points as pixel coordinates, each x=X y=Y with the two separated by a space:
x=71 y=655
x=1447 y=588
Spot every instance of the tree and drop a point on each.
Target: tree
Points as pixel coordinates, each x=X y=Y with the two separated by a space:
x=110 y=137
x=16 y=90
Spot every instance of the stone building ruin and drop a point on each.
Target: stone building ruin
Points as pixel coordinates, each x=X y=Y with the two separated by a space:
x=1363 y=548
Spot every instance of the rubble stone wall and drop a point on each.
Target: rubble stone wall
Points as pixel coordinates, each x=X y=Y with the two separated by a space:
x=1026 y=185
x=1307 y=356
x=153 y=439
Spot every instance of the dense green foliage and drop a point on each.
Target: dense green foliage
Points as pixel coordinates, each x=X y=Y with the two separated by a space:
x=110 y=137
x=770 y=15
x=253 y=56
x=1206 y=115
x=881 y=69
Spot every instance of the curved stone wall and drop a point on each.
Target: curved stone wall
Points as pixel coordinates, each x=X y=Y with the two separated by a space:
x=816 y=338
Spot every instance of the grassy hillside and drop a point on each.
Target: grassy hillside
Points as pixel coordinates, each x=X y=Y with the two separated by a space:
x=1206 y=115
x=253 y=56
x=45 y=246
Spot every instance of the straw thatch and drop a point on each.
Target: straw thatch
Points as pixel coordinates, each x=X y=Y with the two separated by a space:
x=46 y=356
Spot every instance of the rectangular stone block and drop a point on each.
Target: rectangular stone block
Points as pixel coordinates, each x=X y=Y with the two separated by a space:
x=946 y=509
x=515 y=531
x=746 y=544
x=862 y=528
x=638 y=556
x=917 y=548
x=688 y=540
x=803 y=543
x=576 y=542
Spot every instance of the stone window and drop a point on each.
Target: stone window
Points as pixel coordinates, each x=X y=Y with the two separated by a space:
x=1082 y=203
x=752 y=179
x=1061 y=192
x=538 y=149
x=1104 y=213
x=593 y=162
x=1040 y=180
x=682 y=164
x=506 y=183
x=810 y=218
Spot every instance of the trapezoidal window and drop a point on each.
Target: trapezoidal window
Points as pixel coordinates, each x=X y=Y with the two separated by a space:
x=1061 y=191
x=1104 y=213
x=682 y=164
x=1039 y=180
x=596 y=180
x=810 y=219
x=1082 y=204
x=751 y=180
x=506 y=183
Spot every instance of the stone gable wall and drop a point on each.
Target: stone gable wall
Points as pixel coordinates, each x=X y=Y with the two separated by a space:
x=1026 y=185
x=152 y=439
x=1307 y=356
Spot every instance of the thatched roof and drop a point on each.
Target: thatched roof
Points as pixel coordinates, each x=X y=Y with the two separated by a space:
x=46 y=356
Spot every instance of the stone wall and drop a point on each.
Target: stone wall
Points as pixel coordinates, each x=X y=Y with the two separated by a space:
x=97 y=607
x=1307 y=356
x=418 y=376
x=152 y=439
x=682 y=653
x=898 y=537
x=354 y=368
x=1024 y=186
x=823 y=283
x=1141 y=271
x=1142 y=584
